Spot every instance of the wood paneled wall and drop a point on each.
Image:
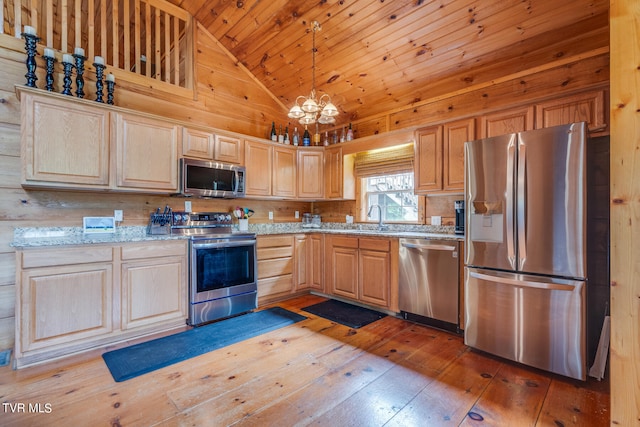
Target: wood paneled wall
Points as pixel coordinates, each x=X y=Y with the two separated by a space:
x=625 y=209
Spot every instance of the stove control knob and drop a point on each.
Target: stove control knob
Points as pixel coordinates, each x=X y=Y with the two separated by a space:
x=177 y=218
x=228 y=217
x=185 y=217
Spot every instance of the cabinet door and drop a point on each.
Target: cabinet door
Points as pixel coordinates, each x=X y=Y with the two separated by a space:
x=64 y=144
x=374 y=267
x=333 y=173
x=455 y=135
x=342 y=266
x=258 y=161
x=428 y=160
x=284 y=172
x=153 y=291
x=228 y=149
x=64 y=305
x=310 y=174
x=146 y=153
x=302 y=264
x=315 y=261
x=506 y=122
x=587 y=107
x=197 y=144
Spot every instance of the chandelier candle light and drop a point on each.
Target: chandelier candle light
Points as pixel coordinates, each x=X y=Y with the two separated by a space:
x=309 y=109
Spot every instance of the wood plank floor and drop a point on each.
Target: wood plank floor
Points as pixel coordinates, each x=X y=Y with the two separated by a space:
x=389 y=373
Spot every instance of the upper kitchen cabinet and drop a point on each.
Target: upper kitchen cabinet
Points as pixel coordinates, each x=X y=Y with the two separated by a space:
x=590 y=107
x=206 y=145
x=339 y=179
x=310 y=174
x=284 y=172
x=505 y=122
x=197 y=144
x=439 y=156
x=64 y=144
x=455 y=135
x=258 y=161
x=428 y=160
x=228 y=149
x=146 y=153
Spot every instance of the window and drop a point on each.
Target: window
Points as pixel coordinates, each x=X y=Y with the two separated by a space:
x=394 y=195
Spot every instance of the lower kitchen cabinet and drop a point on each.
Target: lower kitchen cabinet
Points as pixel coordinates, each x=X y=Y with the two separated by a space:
x=275 y=267
x=71 y=299
x=363 y=269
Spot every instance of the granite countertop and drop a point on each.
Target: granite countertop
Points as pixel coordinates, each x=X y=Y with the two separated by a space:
x=32 y=237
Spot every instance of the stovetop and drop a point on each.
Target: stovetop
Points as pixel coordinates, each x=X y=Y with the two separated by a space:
x=205 y=225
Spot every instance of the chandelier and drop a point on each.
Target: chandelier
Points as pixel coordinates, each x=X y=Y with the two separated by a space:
x=309 y=109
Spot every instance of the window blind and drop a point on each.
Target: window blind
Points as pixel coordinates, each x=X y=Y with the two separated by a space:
x=383 y=162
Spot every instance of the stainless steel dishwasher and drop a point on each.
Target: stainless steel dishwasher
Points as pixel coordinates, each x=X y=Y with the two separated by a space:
x=428 y=282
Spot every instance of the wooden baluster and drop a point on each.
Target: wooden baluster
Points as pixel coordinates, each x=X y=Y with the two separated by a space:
x=49 y=19
x=103 y=30
x=167 y=47
x=91 y=29
x=126 y=18
x=176 y=51
x=136 y=29
x=64 y=27
x=115 y=20
x=147 y=33
x=158 y=71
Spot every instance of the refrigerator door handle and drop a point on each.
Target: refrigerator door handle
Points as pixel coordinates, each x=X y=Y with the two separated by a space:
x=511 y=160
x=522 y=283
x=522 y=204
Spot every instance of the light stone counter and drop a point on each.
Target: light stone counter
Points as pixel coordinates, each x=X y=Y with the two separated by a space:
x=29 y=237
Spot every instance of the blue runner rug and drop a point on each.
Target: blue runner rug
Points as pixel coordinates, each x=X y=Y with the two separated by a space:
x=138 y=359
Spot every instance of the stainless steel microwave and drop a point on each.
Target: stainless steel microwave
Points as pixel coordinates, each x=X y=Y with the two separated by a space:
x=201 y=178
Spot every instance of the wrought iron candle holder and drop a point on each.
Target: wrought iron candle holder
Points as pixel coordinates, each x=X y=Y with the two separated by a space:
x=67 y=67
x=79 y=74
x=31 y=42
x=99 y=81
x=50 y=61
x=111 y=85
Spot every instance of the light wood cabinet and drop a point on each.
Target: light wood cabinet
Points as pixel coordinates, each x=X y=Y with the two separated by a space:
x=339 y=178
x=428 y=160
x=275 y=267
x=146 y=153
x=455 y=135
x=259 y=163
x=228 y=149
x=439 y=157
x=508 y=121
x=154 y=284
x=362 y=269
x=197 y=144
x=302 y=262
x=310 y=175
x=284 y=172
x=64 y=145
x=590 y=107
x=309 y=261
x=72 y=299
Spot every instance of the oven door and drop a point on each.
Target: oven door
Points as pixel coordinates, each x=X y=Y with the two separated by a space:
x=222 y=267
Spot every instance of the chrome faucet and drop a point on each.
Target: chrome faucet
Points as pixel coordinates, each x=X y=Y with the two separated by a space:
x=381 y=225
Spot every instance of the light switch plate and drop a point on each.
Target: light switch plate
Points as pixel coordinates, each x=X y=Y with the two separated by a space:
x=117 y=215
x=187 y=206
x=436 y=220
x=297 y=214
x=270 y=215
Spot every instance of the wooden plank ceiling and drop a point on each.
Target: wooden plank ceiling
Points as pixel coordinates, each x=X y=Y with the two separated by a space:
x=376 y=56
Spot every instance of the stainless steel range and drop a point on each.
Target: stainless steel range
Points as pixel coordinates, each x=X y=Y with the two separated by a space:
x=222 y=266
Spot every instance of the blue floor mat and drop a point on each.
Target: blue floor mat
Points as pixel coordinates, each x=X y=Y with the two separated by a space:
x=138 y=359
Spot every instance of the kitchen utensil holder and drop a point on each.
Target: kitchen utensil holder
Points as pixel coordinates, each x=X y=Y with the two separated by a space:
x=159 y=223
x=243 y=224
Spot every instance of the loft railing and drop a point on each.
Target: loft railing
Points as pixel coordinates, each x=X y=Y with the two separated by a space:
x=151 y=38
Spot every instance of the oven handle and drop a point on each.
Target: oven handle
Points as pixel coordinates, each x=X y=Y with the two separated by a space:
x=223 y=244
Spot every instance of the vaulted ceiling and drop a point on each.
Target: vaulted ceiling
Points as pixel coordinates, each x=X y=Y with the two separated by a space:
x=376 y=56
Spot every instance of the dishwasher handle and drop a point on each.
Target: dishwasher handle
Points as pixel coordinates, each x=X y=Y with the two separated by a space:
x=430 y=247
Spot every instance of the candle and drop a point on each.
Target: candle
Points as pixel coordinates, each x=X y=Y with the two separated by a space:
x=98 y=60
x=29 y=30
x=49 y=52
x=67 y=58
x=78 y=51
x=111 y=77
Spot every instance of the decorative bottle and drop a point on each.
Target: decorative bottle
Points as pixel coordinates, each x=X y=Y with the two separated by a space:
x=306 y=137
x=274 y=135
x=316 y=136
x=296 y=136
x=335 y=136
x=350 y=133
x=280 y=135
x=286 y=135
x=343 y=135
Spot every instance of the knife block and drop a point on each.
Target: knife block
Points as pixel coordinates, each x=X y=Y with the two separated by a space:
x=159 y=224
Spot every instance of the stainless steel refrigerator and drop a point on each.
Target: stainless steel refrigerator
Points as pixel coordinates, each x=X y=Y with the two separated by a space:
x=525 y=248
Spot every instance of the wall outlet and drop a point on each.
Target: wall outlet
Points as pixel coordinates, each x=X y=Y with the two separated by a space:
x=436 y=220
x=117 y=215
x=296 y=214
x=187 y=206
x=270 y=215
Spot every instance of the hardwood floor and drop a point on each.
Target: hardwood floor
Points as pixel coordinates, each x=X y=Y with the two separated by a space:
x=391 y=372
